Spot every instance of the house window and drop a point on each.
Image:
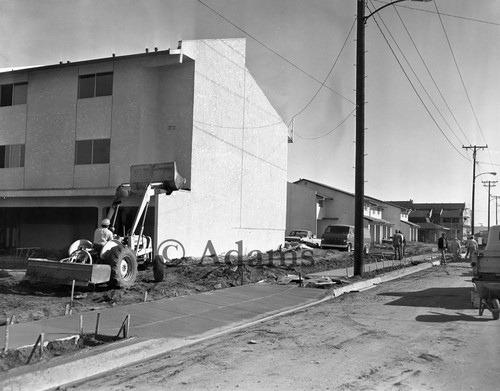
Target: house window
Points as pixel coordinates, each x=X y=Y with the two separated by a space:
x=11 y=156
x=13 y=94
x=98 y=84
x=92 y=151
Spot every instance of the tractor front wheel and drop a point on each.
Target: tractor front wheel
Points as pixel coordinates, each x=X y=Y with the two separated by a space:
x=123 y=267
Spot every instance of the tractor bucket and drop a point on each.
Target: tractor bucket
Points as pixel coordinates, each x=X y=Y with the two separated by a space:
x=41 y=270
x=163 y=175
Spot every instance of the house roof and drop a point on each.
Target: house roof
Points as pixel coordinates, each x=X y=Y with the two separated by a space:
x=380 y=221
x=439 y=208
x=432 y=226
x=172 y=52
x=419 y=213
x=410 y=224
x=368 y=199
x=452 y=213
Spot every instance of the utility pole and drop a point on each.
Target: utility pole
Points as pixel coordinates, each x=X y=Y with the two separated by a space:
x=474 y=150
x=496 y=208
x=489 y=184
x=359 y=182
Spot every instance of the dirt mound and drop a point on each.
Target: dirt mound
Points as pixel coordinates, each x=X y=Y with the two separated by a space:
x=23 y=302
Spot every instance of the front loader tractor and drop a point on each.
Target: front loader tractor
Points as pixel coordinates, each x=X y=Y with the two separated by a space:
x=118 y=261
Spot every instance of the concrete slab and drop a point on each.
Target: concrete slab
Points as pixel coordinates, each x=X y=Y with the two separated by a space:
x=162 y=326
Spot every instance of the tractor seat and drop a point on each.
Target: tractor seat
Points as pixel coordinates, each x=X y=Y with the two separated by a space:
x=82 y=244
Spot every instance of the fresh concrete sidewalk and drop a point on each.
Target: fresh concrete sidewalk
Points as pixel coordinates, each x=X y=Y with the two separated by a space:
x=161 y=326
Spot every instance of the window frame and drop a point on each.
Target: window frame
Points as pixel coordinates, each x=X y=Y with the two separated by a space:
x=99 y=85
x=96 y=146
x=9 y=152
x=10 y=100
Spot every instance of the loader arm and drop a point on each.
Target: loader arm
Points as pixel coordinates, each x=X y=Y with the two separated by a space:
x=148 y=193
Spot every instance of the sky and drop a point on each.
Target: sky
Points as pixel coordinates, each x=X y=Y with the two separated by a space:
x=432 y=78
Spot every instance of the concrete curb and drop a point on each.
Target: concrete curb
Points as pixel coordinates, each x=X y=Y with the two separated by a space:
x=72 y=369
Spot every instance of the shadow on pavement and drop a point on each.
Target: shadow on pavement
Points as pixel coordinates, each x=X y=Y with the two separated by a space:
x=448 y=298
x=443 y=318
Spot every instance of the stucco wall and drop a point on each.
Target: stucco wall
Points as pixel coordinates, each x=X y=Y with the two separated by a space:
x=300 y=208
x=239 y=155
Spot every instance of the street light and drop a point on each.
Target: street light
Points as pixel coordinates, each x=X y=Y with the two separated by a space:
x=474 y=195
x=359 y=190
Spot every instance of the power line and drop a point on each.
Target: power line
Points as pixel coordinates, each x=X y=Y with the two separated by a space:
x=414 y=73
x=432 y=78
x=273 y=51
x=330 y=131
x=459 y=72
x=416 y=92
x=327 y=76
x=443 y=14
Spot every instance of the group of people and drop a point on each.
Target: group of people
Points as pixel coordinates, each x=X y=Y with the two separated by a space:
x=399 y=244
x=455 y=248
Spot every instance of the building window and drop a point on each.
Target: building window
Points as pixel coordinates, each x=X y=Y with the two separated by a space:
x=92 y=151
x=11 y=156
x=13 y=94
x=98 y=84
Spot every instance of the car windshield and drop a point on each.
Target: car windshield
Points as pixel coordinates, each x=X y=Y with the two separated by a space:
x=337 y=229
x=300 y=234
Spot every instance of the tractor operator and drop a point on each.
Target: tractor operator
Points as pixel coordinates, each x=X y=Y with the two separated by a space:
x=102 y=235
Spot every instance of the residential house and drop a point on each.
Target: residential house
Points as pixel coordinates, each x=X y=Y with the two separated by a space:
x=69 y=133
x=336 y=206
x=301 y=208
x=437 y=218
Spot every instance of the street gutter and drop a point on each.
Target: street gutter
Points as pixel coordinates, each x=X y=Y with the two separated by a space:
x=67 y=370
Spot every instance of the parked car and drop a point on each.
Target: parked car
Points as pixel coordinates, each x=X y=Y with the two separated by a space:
x=341 y=237
x=303 y=236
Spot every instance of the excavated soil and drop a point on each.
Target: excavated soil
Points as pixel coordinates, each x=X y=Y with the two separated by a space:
x=23 y=302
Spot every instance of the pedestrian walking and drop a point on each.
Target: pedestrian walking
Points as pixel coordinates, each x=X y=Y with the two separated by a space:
x=455 y=249
x=403 y=245
x=471 y=247
x=397 y=242
x=442 y=246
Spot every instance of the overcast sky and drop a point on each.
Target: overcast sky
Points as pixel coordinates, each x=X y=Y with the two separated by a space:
x=432 y=79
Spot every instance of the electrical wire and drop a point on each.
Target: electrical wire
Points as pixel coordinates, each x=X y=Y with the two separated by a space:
x=416 y=76
x=418 y=95
x=443 y=14
x=330 y=131
x=273 y=51
x=459 y=72
x=432 y=78
x=327 y=76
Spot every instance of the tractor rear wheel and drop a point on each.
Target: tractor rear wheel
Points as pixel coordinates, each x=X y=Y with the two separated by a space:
x=158 y=268
x=123 y=264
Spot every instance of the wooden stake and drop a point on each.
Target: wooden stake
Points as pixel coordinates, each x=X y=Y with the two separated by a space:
x=6 y=344
x=145 y=296
x=72 y=296
x=81 y=325
x=127 y=329
x=97 y=324
x=38 y=341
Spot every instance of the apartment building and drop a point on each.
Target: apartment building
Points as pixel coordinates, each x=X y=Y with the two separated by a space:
x=70 y=132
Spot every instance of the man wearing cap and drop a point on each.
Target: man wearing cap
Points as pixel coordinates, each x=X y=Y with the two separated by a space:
x=102 y=235
x=443 y=246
